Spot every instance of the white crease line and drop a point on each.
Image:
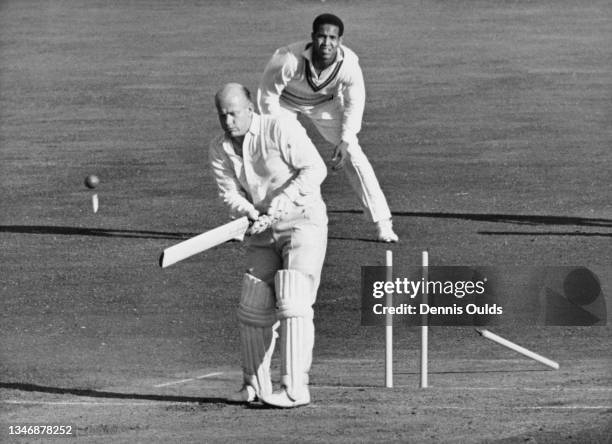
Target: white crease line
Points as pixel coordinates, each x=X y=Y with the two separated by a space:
x=209 y=375
x=173 y=382
x=165 y=384
x=568 y=407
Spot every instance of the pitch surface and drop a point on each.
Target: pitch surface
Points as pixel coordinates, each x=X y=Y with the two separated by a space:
x=488 y=124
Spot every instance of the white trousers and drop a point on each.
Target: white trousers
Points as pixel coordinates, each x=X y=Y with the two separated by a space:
x=297 y=243
x=327 y=118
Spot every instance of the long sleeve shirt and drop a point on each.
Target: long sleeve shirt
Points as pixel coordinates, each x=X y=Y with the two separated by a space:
x=277 y=157
x=290 y=81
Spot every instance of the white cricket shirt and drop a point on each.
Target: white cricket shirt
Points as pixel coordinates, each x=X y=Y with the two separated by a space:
x=277 y=157
x=290 y=81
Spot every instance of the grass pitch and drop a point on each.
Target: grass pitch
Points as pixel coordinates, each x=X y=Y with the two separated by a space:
x=488 y=124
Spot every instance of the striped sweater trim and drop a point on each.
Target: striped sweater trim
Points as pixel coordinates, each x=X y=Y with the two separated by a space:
x=310 y=80
x=297 y=100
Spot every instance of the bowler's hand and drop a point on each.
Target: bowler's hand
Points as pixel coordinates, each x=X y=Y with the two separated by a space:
x=280 y=206
x=340 y=155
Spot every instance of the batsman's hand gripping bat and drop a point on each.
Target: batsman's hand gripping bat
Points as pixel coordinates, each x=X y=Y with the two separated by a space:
x=235 y=229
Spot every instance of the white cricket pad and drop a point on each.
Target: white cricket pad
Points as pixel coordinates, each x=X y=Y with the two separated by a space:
x=256 y=315
x=295 y=296
x=295 y=293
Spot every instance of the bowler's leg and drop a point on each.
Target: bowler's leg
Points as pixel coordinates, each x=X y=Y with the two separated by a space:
x=359 y=171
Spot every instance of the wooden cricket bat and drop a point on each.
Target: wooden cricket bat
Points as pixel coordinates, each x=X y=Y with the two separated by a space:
x=204 y=241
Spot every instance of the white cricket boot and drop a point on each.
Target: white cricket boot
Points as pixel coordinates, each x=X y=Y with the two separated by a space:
x=246 y=394
x=384 y=231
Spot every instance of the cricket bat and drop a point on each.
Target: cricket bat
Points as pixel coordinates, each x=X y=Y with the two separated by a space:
x=205 y=241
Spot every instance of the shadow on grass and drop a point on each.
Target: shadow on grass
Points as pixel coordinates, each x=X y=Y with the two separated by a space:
x=519 y=219
x=361 y=239
x=110 y=232
x=522 y=219
x=102 y=232
x=26 y=387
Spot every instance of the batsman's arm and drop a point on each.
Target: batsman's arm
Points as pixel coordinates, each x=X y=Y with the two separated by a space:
x=230 y=190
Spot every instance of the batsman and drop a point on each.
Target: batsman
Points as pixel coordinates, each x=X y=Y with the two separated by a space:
x=267 y=168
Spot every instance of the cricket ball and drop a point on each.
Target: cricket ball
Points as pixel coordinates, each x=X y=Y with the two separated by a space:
x=92 y=181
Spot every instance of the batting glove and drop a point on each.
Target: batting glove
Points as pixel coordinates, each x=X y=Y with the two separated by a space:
x=261 y=224
x=253 y=214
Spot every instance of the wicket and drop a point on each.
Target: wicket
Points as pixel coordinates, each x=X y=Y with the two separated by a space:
x=424 y=383
x=517 y=348
x=424 y=327
x=389 y=326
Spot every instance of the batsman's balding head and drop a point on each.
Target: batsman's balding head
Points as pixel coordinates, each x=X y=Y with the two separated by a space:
x=235 y=109
x=232 y=91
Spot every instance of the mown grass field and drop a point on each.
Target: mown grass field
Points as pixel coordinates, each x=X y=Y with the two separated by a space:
x=489 y=126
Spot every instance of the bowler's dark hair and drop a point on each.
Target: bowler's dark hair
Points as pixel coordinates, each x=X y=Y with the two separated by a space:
x=328 y=19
